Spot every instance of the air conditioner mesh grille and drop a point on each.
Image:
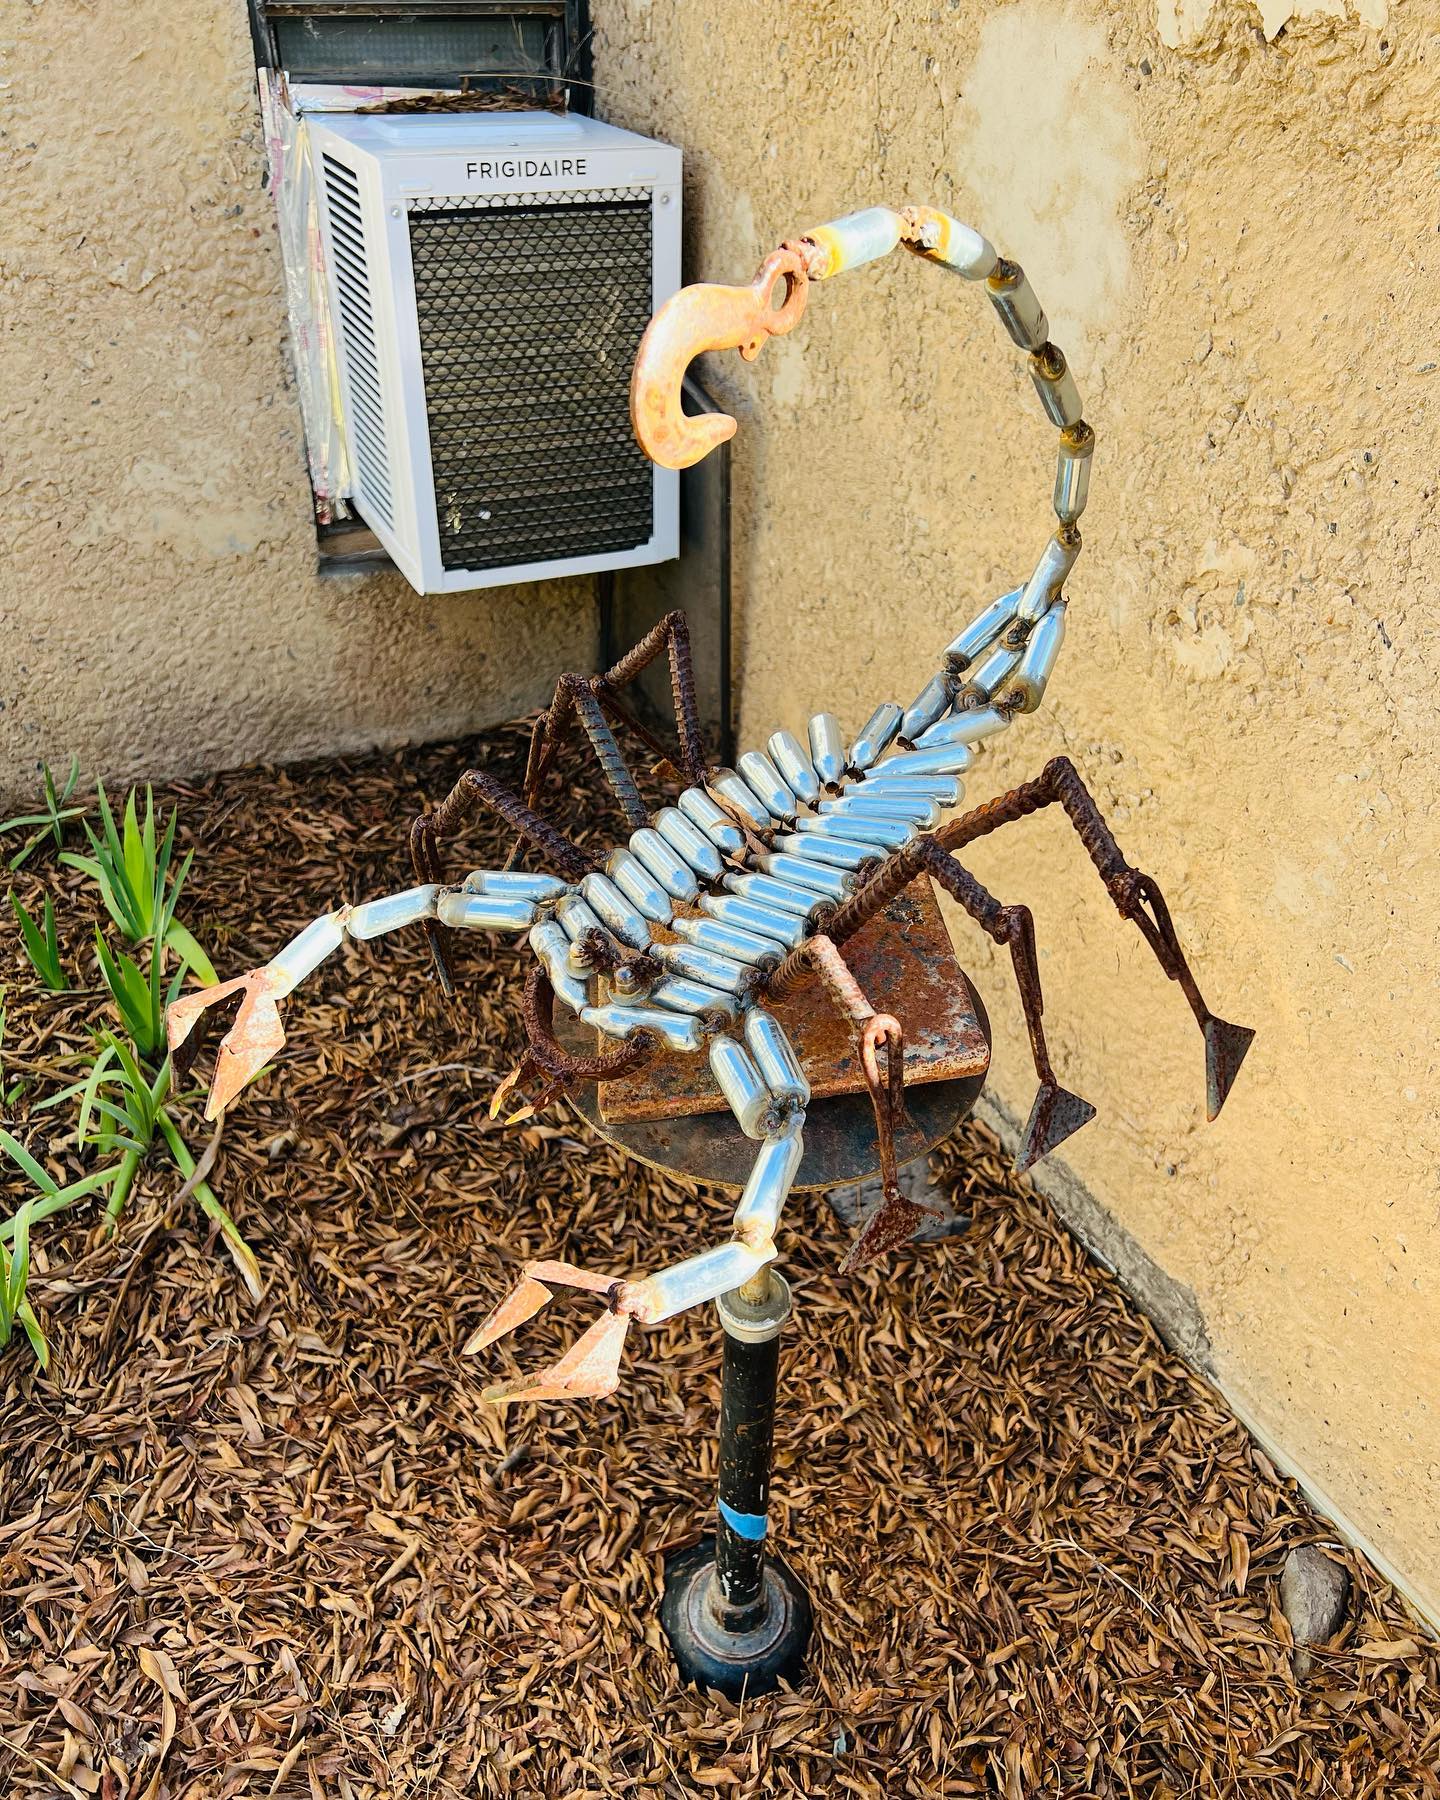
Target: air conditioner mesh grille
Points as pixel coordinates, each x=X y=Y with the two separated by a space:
x=530 y=315
x=357 y=334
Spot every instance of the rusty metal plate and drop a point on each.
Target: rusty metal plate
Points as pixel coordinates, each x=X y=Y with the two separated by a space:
x=904 y=961
x=840 y=1144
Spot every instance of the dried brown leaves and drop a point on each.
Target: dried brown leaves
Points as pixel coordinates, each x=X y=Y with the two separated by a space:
x=282 y=1550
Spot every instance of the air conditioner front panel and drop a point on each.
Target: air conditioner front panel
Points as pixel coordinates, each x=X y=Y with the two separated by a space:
x=530 y=311
x=486 y=328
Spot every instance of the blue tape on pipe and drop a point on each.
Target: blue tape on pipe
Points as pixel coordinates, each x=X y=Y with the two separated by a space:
x=746 y=1525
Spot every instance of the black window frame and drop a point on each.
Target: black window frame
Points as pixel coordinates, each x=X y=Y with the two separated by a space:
x=568 y=53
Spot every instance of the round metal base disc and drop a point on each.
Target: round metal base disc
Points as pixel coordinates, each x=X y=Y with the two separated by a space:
x=737 y=1664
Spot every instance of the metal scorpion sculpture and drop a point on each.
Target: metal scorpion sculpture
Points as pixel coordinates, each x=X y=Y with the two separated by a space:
x=752 y=882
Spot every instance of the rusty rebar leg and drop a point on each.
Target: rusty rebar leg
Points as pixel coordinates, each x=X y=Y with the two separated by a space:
x=560 y=1069
x=474 y=792
x=546 y=1059
x=575 y=698
x=894 y=1220
x=672 y=635
x=1136 y=895
x=1057 y=1113
x=593 y=700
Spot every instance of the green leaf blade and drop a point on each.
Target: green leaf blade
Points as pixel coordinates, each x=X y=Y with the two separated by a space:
x=19 y=1155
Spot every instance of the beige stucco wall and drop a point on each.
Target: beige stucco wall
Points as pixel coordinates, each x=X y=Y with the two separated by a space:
x=1236 y=241
x=1235 y=235
x=159 y=607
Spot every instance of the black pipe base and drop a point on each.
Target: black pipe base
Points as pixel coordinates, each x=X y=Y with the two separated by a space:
x=736 y=1664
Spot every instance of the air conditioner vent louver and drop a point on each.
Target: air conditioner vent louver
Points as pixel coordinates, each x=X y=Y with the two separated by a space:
x=357 y=326
x=490 y=277
x=530 y=315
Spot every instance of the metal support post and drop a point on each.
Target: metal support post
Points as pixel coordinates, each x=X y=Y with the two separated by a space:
x=738 y=1619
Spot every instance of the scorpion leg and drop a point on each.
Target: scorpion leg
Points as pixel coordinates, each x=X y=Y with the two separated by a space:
x=762 y=1080
x=672 y=635
x=592 y=698
x=1136 y=895
x=1056 y=1113
x=472 y=792
x=487 y=902
x=575 y=697
x=894 y=1220
x=543 y=1052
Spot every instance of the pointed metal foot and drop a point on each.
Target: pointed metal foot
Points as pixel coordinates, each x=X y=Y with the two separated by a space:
x=1056 y=1115
x=1225 y=1047
x=893 y=1222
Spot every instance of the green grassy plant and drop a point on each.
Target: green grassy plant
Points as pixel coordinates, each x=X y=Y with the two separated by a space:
x=41 y=945
x=123 y=1096
x=131 y=867
x=141 y=995
x=14 y=1273
x=52 y=820
x=121 y=1113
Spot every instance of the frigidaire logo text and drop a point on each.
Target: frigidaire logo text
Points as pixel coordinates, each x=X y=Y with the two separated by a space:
x=513 y=168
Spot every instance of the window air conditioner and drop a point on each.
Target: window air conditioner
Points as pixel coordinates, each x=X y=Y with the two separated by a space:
x=490 y=277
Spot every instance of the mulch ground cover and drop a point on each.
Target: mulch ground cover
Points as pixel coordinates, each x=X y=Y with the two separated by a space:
x=280 y=1548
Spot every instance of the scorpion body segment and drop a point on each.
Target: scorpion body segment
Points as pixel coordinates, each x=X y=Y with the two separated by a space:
x=751 y=882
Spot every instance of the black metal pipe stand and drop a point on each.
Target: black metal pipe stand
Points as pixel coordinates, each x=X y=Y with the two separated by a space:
x=737 y=1617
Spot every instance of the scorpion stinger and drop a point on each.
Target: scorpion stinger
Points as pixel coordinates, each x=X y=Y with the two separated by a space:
x=753 y=879
x=699 y=318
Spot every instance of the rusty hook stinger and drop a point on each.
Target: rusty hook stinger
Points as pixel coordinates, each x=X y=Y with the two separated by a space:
x=706 y=316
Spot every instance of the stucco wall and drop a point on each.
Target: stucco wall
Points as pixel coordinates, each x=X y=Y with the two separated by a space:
x=1236 y=242
x=1233 y=227
x=159 y=607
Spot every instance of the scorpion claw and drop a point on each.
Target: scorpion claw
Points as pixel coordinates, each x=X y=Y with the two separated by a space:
x=504 y=1091
x=1056 y=1115
x=589 y=1369
x=522 y=1302
x=1225 y=1047
x=254 y=1038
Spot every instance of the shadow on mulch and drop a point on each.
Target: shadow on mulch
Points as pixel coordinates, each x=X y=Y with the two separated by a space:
x=1044 y=1557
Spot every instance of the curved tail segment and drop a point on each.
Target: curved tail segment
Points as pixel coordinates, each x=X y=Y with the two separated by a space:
x=706 y=317
x=998 y=667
